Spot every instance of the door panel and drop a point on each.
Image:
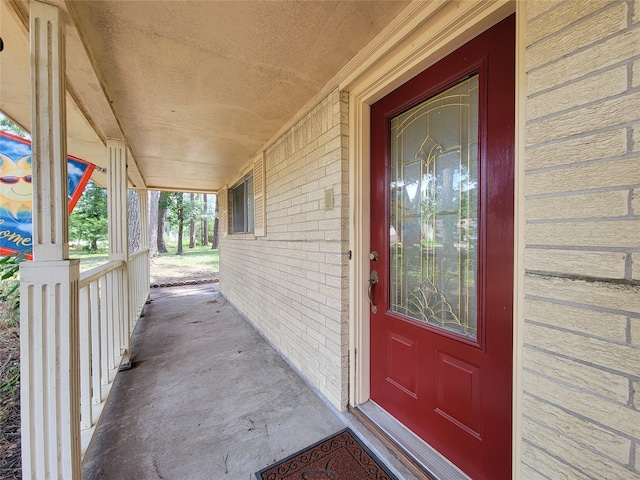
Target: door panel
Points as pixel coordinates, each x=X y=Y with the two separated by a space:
x=458 y=392
x=442 y=221
x=402 y=363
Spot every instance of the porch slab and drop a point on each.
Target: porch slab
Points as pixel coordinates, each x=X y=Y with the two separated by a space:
x=208 y=398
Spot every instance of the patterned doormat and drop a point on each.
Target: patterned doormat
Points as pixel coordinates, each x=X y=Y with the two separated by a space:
x=339 y=457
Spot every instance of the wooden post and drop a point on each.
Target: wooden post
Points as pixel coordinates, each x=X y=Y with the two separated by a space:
x=119 y=241
x=144 y=218
x=49 y=337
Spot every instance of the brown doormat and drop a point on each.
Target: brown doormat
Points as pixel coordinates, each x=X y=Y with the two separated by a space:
x=339 y=457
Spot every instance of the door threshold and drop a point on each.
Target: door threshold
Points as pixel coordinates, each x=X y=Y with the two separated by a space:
x=423 y=459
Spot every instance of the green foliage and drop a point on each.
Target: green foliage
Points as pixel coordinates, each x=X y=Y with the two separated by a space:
x=190 y=210
x=88 y=222
x=7 y=125
x=10 y=288
x=169 y=211
x=12 y=384
x=171 y=201
x=165 y=200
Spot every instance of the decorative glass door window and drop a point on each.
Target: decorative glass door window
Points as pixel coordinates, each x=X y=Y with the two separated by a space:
x=434 y=210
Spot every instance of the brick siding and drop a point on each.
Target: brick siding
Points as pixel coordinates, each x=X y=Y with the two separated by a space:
x=292 y=284
x=581 y=409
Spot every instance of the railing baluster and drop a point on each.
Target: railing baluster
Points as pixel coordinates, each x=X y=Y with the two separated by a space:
x=126 y=308
x=123 y=308
x=85 y=357
x=104 y=331
x=96 y=341
x=114 y=322
x=106 y=325
x=133 y=300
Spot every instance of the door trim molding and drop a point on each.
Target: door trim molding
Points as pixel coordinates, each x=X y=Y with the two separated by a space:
x=428 y=39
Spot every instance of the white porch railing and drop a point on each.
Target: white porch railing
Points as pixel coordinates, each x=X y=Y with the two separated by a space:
x=106 y=323
x=138 y=283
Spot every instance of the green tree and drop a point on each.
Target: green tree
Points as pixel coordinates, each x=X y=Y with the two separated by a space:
x=6 y=125
x=196 y=211
x=154 y=197
x=192 y=221
x=174 y=204
x=164 y=201
x=216 y=223
x=205 y=221
x=180 y=215
x=88 y=222
x=179 y=211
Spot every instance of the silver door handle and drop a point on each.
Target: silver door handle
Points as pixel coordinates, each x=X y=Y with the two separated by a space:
x=373 y=280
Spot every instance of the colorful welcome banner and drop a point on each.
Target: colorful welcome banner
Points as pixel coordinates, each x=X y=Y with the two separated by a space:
x=16 y=187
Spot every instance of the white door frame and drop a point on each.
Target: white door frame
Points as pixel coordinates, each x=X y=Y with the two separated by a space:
x=424 y=36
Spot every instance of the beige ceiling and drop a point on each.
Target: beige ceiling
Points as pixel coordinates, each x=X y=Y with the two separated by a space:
x=195 y=87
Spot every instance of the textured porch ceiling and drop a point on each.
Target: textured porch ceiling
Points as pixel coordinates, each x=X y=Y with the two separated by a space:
x=195 y=87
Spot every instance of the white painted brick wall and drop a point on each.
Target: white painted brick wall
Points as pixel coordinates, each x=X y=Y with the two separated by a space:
x=292 y=284
x=581 y=358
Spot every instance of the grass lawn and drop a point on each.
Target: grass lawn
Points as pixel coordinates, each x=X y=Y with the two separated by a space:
x=89 y=260
x=197 y=263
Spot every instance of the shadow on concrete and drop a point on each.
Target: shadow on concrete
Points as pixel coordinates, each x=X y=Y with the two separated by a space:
x=208 y=398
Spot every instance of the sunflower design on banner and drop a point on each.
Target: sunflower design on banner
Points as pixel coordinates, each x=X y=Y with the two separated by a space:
x=16 y=188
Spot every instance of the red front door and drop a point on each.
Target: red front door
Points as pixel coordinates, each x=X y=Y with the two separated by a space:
x=442 y=162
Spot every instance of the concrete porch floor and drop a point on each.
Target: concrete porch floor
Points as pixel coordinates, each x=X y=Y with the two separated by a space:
x=208 y=398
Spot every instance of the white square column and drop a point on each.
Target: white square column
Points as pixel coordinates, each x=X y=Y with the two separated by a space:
x=117 y=200
x=49 y=338
x=118 y=213
x=49 y=134
x=144 y=218
x=144 y=236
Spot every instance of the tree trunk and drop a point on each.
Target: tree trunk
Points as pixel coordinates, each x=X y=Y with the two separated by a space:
x=180 y=222
x=216 y=222
x=162 y=213
x=192 y=223
x=205 y=223
x=154 y=196
x=133 y=211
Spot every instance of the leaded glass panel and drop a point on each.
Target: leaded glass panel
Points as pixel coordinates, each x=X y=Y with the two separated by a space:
x=434 y=210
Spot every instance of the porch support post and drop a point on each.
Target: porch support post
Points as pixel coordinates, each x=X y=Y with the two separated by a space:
x=117 y=200
x=49 y=337
x=119 y=236
x=144 y=218
x=144 y=236
x=139 y=279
